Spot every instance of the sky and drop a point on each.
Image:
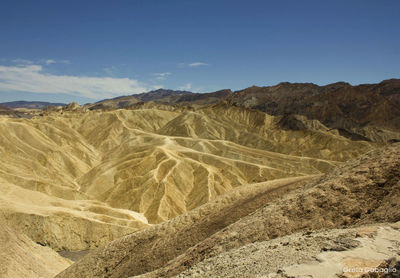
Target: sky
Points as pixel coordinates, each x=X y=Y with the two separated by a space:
x=63 y=51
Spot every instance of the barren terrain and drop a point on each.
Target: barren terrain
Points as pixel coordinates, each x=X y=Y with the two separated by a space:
x=185 y=184
x=361 y=192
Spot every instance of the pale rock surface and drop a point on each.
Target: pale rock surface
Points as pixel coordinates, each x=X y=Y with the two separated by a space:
x=21 y=257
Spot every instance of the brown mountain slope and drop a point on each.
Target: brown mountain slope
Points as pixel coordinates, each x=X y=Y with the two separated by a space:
x=205 y=98
x=114 y=103
x=163 y=96
x=337 y=105
x=367 y=112
x=365 y=190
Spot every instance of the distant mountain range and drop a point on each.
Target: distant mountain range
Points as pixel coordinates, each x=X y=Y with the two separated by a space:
x=5 y=110
x=30 y=104
x=335 y=105
x=163 y=96
x=338 y=106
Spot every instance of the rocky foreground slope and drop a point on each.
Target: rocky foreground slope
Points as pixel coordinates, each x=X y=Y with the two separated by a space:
x=349 y=252
x=362 y=191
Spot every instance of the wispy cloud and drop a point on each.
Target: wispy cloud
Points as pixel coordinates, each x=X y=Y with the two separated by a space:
x=53 y=61
x=162 y=75
x=22 y=61
x=49 y=61
x=111 y=71
x=185 y=87
x=32 y=78
x=197 y=64
x=194 y=64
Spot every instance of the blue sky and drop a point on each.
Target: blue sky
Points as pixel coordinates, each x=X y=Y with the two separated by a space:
x=90 y=50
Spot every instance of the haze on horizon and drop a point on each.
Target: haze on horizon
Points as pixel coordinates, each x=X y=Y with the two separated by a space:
x=74 y=51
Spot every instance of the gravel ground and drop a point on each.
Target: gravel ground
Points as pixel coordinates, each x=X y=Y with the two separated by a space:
x=258 y=258
x=315 y=254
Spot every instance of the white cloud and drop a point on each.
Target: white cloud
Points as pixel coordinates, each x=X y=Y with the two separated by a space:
x=22 y=61
x=186 y=87
x=52 y=61
x=156 y=87
x=31 y=78
x=162 y=75
x=49 y=61
x=110 y=70
x=197 y=64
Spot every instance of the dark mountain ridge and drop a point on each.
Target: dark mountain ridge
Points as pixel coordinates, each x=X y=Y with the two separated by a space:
x=30 y=104
x=161 y=95
x=164 y=96
x=335 y=105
